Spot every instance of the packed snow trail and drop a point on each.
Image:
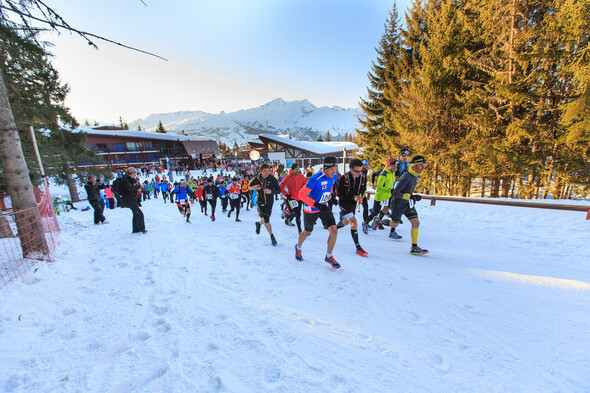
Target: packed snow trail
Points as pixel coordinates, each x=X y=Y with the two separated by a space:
x=497 y=306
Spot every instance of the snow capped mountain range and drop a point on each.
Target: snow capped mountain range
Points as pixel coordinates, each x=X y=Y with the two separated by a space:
x=301 y=119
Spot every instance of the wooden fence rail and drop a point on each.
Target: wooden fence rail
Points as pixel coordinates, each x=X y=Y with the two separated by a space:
x=501 y=202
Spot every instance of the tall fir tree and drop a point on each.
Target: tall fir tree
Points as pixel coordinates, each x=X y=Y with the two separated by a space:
x=384 y=76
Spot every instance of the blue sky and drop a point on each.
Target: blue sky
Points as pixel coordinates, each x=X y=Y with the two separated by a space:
x=223 y=55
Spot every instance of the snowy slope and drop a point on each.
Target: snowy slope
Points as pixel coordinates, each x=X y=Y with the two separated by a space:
x=501 y=304
x=302 y=119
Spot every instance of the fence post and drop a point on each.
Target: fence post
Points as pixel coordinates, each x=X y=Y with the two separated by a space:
x=432 y=202
x=34 y=138
x=588 y=215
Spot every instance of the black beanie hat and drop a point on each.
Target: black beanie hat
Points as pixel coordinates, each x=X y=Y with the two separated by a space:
x=330 y=162
x=418 y=160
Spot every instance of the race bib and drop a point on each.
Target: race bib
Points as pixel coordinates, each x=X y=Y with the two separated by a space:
x=384 y=203
x=209 y=196
x=182 y=201
x=325 y=197
x=233 y=196
x=293 y=203
x=411 y=203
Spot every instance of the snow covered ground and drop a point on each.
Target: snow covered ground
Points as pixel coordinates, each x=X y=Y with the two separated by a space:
x=501 y=304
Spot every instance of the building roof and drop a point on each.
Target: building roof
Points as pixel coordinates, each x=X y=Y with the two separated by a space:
x=140 y=134
x=319 y=148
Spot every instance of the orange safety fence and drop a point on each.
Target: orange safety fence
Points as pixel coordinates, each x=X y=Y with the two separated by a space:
x=27 y=237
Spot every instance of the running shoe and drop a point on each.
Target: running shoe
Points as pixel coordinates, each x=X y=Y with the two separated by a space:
x=362 y=252
x=257 y=228
x=298 y=255
x=365 y=228
x=394 y=235
x=418 y=251
x=332 y=262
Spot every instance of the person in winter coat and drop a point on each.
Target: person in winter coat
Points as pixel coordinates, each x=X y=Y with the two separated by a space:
x=93 y=192
x=290 y=187
x=130 y=186
x=109 y=195
x=116 y=191
x=211 y=193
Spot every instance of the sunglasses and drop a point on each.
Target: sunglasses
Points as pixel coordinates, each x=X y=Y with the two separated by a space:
x=359 y=171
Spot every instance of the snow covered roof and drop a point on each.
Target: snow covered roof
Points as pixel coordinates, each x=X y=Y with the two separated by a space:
x=320 y=148
x=141 y=134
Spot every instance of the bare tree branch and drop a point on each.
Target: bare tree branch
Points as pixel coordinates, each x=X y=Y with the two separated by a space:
x=56 y=22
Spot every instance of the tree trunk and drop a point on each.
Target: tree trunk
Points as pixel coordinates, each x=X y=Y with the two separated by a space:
x=506 y=182
x=495 y=187
x=20 y=189
x=483 y=187
x=72 y=187
x=5 y=229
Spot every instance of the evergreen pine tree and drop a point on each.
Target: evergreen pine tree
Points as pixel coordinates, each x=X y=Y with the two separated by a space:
x=373 y=133
x=160 y=129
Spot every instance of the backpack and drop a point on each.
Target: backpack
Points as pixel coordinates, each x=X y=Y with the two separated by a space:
x=376 y=174
x=116 y=186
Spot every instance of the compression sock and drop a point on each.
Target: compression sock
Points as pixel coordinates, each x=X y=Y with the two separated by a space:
x=414 y=234
x=188 y=215
x=355 y=236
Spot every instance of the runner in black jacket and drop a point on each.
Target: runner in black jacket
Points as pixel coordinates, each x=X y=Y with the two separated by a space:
x=351 y=190
x=403 y=194
x=211 y=193
x=266 y=186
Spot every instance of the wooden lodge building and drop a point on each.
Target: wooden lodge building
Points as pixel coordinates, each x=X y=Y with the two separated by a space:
x=287 y=150
x=122 y=148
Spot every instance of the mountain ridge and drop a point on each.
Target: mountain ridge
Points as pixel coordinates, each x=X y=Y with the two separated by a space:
x=301 y=119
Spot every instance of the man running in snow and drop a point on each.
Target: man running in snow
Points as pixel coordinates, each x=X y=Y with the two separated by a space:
x=211 y=193
x=234 y=198
x=405 y=201
x=351 y=189
x=265 y=186
x=382 y=196
x=164 y=187
x=290 y=187
x=201 y=198
x=316 y=194
x=182 y=195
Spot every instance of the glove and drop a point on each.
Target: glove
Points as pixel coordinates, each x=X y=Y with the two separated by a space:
x=417 y=198
x=288 y=196
x=406 y=197
x=320 y=206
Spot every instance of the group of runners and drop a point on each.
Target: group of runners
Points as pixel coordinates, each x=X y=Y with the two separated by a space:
x=313 y=196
